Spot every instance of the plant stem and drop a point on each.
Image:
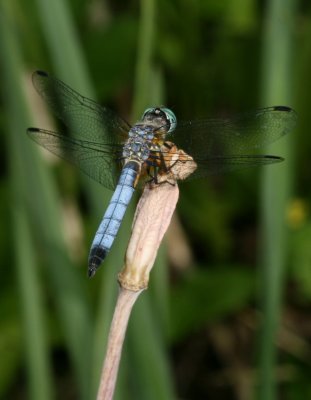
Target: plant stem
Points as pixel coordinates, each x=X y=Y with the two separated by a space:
x=125 y=302
x=152 y=218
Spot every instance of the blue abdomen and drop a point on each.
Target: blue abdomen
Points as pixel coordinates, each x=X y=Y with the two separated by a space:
x=113 y=217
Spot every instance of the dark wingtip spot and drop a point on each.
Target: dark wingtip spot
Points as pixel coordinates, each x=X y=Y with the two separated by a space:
x=42 y=73
x=282 y=108
x=33 y=129
x=274 y=159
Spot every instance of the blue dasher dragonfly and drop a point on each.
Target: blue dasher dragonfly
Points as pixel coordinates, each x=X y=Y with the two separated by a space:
x=118 y=155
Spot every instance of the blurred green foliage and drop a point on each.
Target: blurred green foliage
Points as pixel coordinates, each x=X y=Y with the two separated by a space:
x=193 y=334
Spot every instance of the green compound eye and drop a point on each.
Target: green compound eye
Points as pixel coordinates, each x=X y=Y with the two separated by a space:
x=171 y=118
x=150 y=110
x=168 y=114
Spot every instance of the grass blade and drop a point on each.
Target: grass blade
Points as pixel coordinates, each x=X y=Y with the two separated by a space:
x=39 y=195
x=276 y=73
x=31 y=298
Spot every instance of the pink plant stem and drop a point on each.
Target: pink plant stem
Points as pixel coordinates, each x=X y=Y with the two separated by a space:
x=152 y=218
x=125 y=302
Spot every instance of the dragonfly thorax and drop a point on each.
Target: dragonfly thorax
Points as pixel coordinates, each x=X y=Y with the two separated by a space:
x=139 y=143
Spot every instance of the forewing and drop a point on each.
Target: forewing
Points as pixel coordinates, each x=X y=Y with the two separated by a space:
x=205 y=139
x=99 y=161
x=86 y=118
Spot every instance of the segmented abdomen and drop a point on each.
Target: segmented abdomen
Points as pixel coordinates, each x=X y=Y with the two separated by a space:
x=113 y=217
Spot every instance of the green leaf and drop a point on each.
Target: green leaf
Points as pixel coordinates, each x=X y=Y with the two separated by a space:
x=204 y=296
x=301 y=258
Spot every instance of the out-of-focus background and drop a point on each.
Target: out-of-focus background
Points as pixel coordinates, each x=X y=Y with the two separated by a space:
x=227 y=312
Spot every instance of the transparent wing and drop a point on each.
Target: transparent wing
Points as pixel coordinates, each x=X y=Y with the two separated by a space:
x=211 y=165
x=102 y=162
x=218 y=165
x=86 y=118
x=210 y=138
x=219 y=145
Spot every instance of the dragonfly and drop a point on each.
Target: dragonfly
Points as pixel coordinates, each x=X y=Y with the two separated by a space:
x=122 y=157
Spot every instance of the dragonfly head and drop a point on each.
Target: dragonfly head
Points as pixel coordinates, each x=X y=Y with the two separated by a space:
x=161 y=117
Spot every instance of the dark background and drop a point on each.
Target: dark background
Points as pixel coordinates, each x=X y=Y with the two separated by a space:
x=227 y=312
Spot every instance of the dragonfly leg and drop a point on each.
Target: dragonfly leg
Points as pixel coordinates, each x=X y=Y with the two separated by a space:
x=157 y=178
x=152 y=175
